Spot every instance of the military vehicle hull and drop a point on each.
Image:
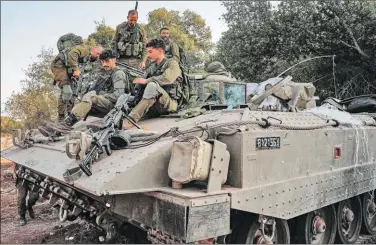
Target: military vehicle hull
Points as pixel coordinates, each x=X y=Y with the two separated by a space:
x=292 y=177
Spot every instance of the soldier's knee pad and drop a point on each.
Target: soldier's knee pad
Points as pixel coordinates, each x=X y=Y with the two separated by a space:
x=151 y=91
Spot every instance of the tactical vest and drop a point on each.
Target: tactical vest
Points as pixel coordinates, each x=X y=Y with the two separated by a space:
x=90 y=73
x=130 y=44
x=179 y=90
x=104 y=82
x=168 y=51
x=183 y=59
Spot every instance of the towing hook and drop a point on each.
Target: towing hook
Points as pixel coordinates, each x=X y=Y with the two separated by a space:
x=267 y=238
x=63 y=214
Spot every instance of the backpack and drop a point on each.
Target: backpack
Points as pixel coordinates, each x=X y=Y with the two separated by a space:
x=68 y=40
x=183 y=58
x=65 y=43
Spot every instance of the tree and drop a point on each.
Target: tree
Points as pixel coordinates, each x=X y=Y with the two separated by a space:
x=187 y=29
x=263 y=41
x=38 y=99
x=8 y=124
x=103 y=34
x=37 y=102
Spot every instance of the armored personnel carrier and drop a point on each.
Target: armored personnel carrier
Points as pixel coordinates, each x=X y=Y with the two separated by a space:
x=274 y=173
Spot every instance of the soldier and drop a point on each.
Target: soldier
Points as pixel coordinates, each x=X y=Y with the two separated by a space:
x=216 y=71
x=162 y=93
x=102 y=97
x=129 y=42
x=66 y=66
x=172 y=49
x=91 y=72
x=23 y=190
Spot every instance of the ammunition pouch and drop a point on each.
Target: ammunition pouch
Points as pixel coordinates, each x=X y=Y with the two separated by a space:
x=175 y=91
x=77 y=144
x=130 y=49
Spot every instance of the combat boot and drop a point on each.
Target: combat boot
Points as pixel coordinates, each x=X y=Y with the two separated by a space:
x=64 y=127
x=61 y=118
x=46 y=131
x=141 y=109
x=22 y=221
x=31 y=212
x=70 y=120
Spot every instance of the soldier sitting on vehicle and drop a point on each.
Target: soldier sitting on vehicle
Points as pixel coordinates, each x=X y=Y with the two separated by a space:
x=73 y=53
x=162 y=93
x=91 y=73
x=101 y=98
x=216 y=71
x=172 y=49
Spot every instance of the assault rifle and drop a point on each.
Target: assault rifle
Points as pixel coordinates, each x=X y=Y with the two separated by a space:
x=139 y=88
x=75 y=86
x=101 y=139
x=130 y=69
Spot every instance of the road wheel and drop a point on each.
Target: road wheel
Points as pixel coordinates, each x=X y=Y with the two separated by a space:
x=317 y=227
x=369 y=213
x=349 y=220
x=251 y=232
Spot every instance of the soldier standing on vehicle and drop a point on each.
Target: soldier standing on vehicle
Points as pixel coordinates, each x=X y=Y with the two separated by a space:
x=129 y=42
x=23 y=190
x=102 y=97
x=172 y=49
x=66 y=66
x=162 y=93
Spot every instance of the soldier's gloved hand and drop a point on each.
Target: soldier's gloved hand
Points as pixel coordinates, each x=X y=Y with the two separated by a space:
x=76 y=73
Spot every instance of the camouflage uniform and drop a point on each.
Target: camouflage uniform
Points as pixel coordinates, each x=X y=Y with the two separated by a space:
x=117 y=84
x=23 y=190
x=172 y=50
x=163 y=90
x=130 y=43
x=62 y=72
x=91 y=72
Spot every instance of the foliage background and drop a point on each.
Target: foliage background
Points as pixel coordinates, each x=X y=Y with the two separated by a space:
x=261 y=42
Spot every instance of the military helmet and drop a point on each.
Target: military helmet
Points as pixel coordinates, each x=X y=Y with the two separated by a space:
x=215 y=67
